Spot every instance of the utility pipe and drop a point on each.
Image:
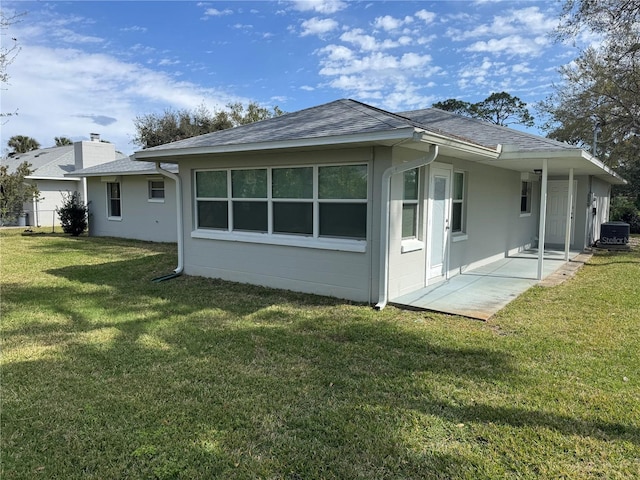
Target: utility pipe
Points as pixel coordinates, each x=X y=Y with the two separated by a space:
x=179 y=219
x=383 y=290
x=567 y=231
x=543 y=218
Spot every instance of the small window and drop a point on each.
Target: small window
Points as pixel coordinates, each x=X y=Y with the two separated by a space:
x=113 y=200
x=156 y=190
x=458 y=213
x=525 y=198
x=410 y=205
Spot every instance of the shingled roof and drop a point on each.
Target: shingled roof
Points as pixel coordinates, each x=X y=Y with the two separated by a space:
x=349 y=117
x=482 y=132
x=124 y=166
x=334 y=119
x=53 y=162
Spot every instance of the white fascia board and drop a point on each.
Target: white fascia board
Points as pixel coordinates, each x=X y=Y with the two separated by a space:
x=36 y=177
x=457 y=144
x=386 y=135
x=575 y=154
x=119 y=174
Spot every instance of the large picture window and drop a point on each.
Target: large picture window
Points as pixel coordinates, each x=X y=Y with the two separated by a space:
x=114 y=205
x=322 y=201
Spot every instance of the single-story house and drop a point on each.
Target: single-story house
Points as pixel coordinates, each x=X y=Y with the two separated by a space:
x=53 y=172
x=352 y=201
x=130 y=199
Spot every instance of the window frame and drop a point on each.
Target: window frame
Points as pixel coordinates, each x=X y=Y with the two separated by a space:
x=313 y=240
x=414 y=242
x=460 y=234
x=527 y=197
x=110 y=216
x=151 y=189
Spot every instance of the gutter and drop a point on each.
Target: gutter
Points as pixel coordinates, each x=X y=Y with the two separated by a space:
x=383 y=290
x=179 y=222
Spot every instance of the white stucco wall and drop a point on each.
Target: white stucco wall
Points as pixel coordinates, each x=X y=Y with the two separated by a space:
x=141 y=219
x=342 y=274
x=494 y=225
x=43 y=212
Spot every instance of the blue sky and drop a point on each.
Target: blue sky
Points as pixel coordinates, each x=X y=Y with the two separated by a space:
x=87 y=66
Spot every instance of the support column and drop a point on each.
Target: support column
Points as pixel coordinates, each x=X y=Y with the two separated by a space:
x=567 y=232
x=543 y=218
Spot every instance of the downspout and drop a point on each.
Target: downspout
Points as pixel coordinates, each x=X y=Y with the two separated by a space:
x=383 y=290
x=179 y=223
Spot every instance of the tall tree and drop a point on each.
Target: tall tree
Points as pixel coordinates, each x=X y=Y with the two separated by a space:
x=14 y=192
x=155 y=129
x=9 y=50
x=23 y=144
x=599 y=97
x=499 y=108
x=62 y=141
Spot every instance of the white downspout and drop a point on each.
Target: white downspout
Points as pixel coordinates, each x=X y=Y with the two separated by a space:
x=567 y=231
x=543 y=219
x=179 y=218
x=383 y=289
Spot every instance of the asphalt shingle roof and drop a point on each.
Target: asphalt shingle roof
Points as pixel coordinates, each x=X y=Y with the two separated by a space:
x=341 y=117
x=52 y=162
x=124 y=166
x=349 y=117
x=482 y=132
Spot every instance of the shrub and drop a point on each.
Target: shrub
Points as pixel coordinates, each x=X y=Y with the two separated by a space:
x=73 y=214
x=624 y=209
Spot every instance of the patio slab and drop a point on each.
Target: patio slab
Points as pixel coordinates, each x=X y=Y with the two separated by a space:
x=481 y=292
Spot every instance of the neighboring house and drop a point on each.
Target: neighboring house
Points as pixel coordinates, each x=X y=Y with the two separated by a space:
x=351 y=201
x=53 y=172
x=130 y=199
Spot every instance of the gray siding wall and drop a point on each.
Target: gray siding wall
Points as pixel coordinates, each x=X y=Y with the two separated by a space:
x=494 y=225
x=141 y=219
x=311 y=270
x=51 y=191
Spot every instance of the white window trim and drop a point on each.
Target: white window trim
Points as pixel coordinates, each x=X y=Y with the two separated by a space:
x=295 y=240
x=151 y=199
x=411 y=245
x=462 y=234
x=113 y=218
x=529 y=196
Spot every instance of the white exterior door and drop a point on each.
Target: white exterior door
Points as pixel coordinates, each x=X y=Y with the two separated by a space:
x=556 y=223
x=438 y=223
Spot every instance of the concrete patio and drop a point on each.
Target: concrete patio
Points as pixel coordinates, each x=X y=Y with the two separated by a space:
x=482 y=292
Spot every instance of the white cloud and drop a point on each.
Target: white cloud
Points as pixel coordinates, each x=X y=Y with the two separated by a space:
x=360 y=39
x=390 y=23
x=64 y=91
x=318 y=26
x=426 y=16
x=511 y=45
x=214 y=12
x=319 y=6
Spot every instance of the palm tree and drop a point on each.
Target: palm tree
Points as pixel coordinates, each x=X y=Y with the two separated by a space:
x=62 y=141
x=23 y=144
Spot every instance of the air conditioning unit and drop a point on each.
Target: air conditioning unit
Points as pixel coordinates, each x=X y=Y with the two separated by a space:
x=614 y=233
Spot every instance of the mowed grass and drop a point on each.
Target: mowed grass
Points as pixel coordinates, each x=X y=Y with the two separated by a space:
x=108 y=375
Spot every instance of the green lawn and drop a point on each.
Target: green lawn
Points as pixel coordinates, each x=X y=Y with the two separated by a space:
x=108 y=375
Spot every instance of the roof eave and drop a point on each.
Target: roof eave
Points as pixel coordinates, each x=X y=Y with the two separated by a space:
x=170 y=154
x=387 y=137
